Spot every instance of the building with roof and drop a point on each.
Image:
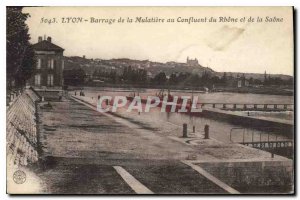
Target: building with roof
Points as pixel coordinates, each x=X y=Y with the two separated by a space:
x=49 y=66
x=192 y=62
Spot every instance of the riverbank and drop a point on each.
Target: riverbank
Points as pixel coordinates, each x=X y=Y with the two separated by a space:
x=242 y=90
x=261 y=90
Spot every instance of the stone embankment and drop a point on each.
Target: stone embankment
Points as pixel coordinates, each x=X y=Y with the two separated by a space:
x=22 y=138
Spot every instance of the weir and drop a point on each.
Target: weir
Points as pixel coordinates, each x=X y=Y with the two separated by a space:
x=250 y=107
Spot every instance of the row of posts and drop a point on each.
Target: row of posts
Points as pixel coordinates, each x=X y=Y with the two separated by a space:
x=185 y=131
x=255 y=106
x=81 y=93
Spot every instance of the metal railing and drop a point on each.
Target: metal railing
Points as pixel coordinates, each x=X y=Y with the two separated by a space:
x=261 y=143
x=261 y=131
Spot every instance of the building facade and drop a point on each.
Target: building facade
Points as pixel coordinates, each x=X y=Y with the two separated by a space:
x=49 y=65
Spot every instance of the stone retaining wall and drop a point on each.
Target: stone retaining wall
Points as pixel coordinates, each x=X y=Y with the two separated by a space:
x=21 y=132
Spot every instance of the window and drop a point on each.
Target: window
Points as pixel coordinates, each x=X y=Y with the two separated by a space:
x=54 y=64
x=37 y=79
x=50 y=64
x=39 y=62
x=50 y=80
x=42 y=62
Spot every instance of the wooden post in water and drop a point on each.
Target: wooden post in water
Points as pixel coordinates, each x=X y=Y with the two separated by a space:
x=206 y=132
x=184 y=132
x=193 y=129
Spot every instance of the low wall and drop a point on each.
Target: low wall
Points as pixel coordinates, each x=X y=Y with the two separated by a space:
x=286 y=129
x=21 y=132
x=50 y=95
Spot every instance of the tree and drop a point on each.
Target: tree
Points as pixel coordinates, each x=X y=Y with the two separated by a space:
x=265 y=77
x=224 y=78
x=113 y=76
x=160 y=78
x=173 y=79
x=74 y=76
x=251 y=80
x=19 y=53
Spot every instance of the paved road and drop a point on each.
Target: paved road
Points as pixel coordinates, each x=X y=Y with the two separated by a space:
x=83 y=148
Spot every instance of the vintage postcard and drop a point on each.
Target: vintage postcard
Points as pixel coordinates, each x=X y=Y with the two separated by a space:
x=150 y=100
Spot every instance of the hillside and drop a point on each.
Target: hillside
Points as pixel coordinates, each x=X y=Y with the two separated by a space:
x=153 y=68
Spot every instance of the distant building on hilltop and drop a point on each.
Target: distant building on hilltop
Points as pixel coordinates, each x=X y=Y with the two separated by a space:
x=49 y=66
x=192 y=62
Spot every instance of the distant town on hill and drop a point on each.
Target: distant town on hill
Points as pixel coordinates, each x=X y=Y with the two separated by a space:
x=145 y=73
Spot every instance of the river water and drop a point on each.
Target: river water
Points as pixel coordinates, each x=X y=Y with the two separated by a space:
x=218 y=129
x=215 y=97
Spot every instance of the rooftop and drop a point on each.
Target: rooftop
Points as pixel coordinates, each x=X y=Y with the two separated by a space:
x=46 y=45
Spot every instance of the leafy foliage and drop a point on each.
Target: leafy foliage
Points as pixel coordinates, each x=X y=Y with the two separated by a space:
x=74 y=76
x=19 y=53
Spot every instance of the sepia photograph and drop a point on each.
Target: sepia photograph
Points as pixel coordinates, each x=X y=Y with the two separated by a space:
x=150 y=100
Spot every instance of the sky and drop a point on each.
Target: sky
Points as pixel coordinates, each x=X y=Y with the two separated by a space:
x=250 y=47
